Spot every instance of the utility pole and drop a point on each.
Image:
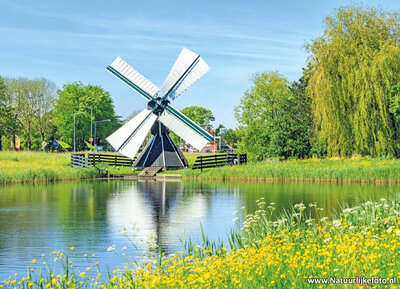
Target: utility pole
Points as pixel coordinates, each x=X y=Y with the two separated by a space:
x=95 y=128
x=91 y=120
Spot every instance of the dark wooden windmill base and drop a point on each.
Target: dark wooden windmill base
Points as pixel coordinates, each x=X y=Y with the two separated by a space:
x=160 y=151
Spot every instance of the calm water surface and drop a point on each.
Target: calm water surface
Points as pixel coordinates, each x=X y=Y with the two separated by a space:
x=41 y=218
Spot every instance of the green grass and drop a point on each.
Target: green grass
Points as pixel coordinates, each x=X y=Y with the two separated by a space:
x=26 y=167
x=357 y=169
x=38 y=166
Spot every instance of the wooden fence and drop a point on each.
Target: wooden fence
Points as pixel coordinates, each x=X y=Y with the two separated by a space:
x=116 y=160
x=88 y=160
x=79 y=161
x=219 y=160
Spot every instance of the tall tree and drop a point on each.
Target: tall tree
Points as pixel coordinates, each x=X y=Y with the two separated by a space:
x=30 y=102
x=354 y=64
x=275 y=117
x=257 y=111
x=231 y=137
x=3 y=112
x=14 y=95
x=43 y=96
x=202 y=116
x=70 y=99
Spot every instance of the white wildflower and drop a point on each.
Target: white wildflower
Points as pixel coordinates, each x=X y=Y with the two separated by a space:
x=309 y=222
x=390 y=229
x=336 y=223
x=300 y=207
x=348 y=210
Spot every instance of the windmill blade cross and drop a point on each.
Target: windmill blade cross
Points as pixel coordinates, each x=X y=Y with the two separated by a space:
x=187 y=69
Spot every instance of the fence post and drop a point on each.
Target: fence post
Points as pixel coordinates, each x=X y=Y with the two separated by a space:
x=238 y=157
x=215 y=160
x=201 y=163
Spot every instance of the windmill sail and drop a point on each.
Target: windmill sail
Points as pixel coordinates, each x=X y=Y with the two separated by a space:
x=161 y=151
x=128 y=138
x=188 y=68
x=184 y=127
x=120 y=69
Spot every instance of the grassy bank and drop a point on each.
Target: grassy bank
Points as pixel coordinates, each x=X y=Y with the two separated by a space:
x=357 y=169
x=363 y=241
x=38 y=166
x=25 y=167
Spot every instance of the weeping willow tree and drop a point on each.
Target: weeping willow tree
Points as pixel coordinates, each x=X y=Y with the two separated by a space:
x=354 y=65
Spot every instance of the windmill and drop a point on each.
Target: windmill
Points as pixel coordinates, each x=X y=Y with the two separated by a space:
x=160 y=116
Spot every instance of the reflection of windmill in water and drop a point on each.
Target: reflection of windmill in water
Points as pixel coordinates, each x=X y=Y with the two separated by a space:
x=160 y=116
x=161 y=209
x=161 y=203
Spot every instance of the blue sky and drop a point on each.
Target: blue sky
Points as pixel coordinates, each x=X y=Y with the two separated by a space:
x=68 y=41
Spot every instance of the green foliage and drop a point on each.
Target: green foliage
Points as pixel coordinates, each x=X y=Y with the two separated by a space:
x=231 y=137
x=354 y=65
x=3 y=112
x=292 y=129
x=27 y=110
x=394 y=107
x=71 y=97
x=43 y=94
x=200 y=115
x=258 y=110
x=275 y=118
x=175 y=138
x=28 y=104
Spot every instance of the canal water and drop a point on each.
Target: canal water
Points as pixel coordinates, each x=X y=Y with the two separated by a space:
x=119 y=220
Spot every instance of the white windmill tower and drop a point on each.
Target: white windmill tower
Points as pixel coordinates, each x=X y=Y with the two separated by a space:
x=159 y=117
